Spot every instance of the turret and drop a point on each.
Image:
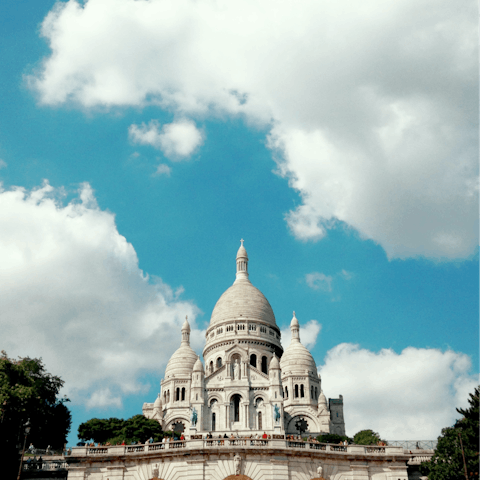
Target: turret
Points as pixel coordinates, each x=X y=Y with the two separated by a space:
x=275 y=376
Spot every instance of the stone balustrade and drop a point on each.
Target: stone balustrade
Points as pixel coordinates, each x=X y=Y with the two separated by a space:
x=244 y=443
x=48 y=465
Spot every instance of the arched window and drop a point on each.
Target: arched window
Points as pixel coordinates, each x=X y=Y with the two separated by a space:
x=253 y=360
x=168 y=396
x=236 y=407
x=196 y=396
x=264 y=365
x=211 y=367
x=183 y=394
x=311 y=392
x=177 y=395
x=316 y=393
x=296 y=392
x=213 y=422
x=219 y=362
x=164 y=397
x=286 y=392
x=302 y=391
x=260 y=427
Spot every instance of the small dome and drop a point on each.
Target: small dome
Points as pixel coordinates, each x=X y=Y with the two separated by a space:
x=158 y=402
x=186 y=326
x=297 y=359
x=198 y=367
x=322 y=399
x=181 y=362
x=274 y=364
x=242 y=253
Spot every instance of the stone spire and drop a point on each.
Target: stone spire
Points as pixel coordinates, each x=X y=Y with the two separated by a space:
x=242 y=264
x=295 y=328
x=186 y=332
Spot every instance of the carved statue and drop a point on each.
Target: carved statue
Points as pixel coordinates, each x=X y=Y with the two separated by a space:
x=237 y=460
x=236 y=370
x=276 y=414
x=319 y=470
x=155 y=471
x=194 y=417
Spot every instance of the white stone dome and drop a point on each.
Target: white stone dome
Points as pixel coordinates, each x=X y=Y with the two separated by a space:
x=181 y=362
x=243 y=300
x=158 y=402
x=274 y=364
x=297 y=359
x=198 y=367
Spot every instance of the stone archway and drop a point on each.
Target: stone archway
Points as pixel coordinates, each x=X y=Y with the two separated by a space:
x=237 y=477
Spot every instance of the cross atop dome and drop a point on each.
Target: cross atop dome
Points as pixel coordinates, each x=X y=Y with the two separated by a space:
x=242 y=240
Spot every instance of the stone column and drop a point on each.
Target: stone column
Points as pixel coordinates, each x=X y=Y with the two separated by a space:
x=227 y=416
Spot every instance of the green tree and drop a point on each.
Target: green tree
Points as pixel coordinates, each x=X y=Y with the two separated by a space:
x=114 y=430
x=447 y=461
x=367 y=437
x=333 y=438
x=29 y=392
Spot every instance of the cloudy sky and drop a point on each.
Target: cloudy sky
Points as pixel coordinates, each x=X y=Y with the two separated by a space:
x=141 y=139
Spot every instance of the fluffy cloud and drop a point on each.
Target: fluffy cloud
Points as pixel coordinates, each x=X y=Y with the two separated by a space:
x=411 y=395
x=319 y=281
x=176 y=140
x=371 y=107
x=163 y=169
x=3 y=164
x=72 y=293
x=308 y=334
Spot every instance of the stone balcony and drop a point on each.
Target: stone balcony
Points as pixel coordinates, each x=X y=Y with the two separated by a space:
x=245 y=444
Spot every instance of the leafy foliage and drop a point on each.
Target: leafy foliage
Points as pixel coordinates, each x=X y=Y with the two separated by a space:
x=447 y=461
x=367 y=437
x=333 y=438
x=28 y=391
x=115 y=430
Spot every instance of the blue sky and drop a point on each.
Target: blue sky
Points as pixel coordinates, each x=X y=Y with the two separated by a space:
x=139 y=143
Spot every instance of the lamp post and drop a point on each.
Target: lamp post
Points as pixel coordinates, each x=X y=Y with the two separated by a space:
x=27 y=431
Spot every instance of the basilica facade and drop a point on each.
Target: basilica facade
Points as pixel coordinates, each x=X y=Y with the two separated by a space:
x=247 y=382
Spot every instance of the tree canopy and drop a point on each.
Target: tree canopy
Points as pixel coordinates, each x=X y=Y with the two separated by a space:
x=367 y=437
x=115 y=430
x=28 y=391
x=333 y=438
x=447 y=461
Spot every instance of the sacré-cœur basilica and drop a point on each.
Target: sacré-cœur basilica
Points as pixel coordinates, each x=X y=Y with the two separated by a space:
x=249 y=383
x=248 y=388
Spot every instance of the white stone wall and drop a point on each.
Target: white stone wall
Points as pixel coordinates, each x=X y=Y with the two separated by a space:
x=277 y=465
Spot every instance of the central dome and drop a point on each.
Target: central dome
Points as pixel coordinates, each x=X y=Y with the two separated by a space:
x=243 y=301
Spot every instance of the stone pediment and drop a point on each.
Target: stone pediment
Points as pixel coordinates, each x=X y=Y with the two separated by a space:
x=237 y=347
x=217 y=375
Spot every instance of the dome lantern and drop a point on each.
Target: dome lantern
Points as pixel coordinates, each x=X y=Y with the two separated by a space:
x=295 y=328
x=186 y=332
x=242 y=263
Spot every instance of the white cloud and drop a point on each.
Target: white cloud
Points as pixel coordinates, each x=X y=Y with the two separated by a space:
x=3 y=164
x=163 y=169
x=319 y=281
x=103 y=399
x=72 y=293
x=176 y=140
x=406 y=396
x=308 y=334
x=372 y=107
